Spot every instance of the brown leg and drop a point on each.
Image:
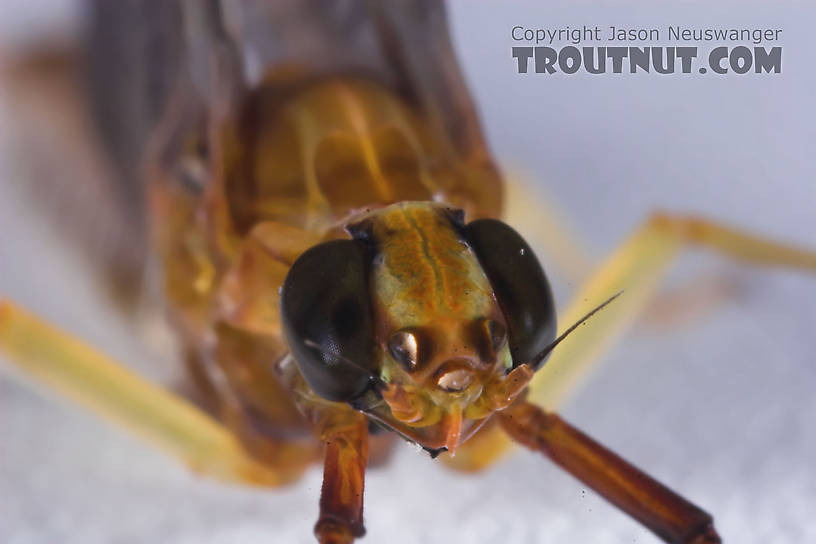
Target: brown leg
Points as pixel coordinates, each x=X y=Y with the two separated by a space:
x=345 y=434
x=634 y=268
x=667 y=514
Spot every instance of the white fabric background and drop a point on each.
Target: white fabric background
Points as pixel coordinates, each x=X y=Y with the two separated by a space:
x=720 y=406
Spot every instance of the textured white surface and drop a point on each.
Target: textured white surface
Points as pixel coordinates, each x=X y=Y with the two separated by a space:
x=719 y=406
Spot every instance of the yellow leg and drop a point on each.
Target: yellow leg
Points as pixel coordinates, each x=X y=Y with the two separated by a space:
x=636 y=268
x=96 y=382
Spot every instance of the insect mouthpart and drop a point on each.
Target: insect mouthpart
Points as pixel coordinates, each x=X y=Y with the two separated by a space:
x=448 y=415
x=453 y=378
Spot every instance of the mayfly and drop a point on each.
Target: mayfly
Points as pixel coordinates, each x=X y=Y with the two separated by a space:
x=324 y=210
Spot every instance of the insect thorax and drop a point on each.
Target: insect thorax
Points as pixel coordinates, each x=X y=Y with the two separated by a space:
x=333 y=148
x=285 y=171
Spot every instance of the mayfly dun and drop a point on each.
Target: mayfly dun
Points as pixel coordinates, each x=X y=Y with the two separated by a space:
x=324 y=214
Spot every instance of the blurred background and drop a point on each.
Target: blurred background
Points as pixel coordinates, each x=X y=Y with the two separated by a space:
x=712 y=393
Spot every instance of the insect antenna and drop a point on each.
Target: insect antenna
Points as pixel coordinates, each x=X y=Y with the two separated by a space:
x=546 y=351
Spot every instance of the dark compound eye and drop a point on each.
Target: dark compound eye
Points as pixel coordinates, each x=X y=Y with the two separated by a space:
x=520 y=286
x=404 y=348
x=327 y=319
x=489 y=337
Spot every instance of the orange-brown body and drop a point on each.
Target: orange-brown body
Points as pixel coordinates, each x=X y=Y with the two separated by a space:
x=290 y=168
x=255 y=149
